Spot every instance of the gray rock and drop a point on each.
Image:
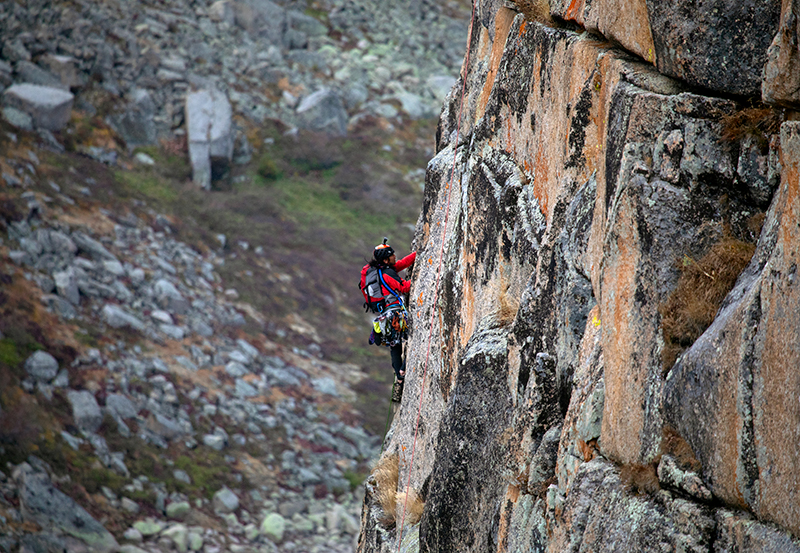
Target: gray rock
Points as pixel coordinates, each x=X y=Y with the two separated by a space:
x=59 y=305
x=323 y=111
x=210 y=134
x=244 y=389
x=85 y=411
x=178 y=510
x=273 y=527
x=67 y=285
x=115 y=317
x=164 y=427
x=235 y=369
x=65 y=68
x=261 y=18
x=215 y=442
x=326 y=385
x=121 y=406
x=729 y=42
x=95 y=249
x=31 y=73
x=48 y=107
x=42 y=366
x=201 y=328
x=135 y=124
x=18 y=118
x=129 y=505
x=169 y=297
x=172 y=331
x=225 y=501
x=440 y=86
x=42 y=503
x=222 y=11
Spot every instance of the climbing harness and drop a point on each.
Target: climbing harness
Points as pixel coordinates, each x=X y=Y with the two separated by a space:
x=436 y=287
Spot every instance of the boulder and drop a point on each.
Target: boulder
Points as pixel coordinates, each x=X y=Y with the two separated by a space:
x=49 y=107
x=222 y=11
x=85 y=411
x=261 y=18
x=31 y=73
x=210 y=133
x=121 y=406
x=43 y=504
x=116 y=317
x=63 y=67
x=323 y=111
x=67 y=285
x=273 y=527
x=135 y=123
x=225 y=501
x=42 y=366
x=94 y=248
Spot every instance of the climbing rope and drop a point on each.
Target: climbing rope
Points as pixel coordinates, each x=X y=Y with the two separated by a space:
x=438 y=275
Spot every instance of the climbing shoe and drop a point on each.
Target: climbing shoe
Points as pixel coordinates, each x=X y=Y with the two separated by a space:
x=397 y=391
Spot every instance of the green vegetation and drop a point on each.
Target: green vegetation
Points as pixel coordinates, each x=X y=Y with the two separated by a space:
x=8 y=353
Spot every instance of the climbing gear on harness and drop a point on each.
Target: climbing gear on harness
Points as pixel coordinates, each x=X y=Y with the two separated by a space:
x=390 y=328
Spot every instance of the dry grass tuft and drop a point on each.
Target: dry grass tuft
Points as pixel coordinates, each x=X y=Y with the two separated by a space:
x=507 y=308
x=701 y=288
x=673 y=444
x=385 y=474
x=757 y=122
x=413 y=505
x=535 y=10
x=640 y=478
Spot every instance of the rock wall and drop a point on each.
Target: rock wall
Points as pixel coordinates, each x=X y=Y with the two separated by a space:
x=597 y=157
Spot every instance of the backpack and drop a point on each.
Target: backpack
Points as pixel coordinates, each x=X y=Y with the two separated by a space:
x=370 y=287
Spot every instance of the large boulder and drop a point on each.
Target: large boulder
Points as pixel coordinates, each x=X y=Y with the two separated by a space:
x=135 y=123
x=261 y=18
x=49 y=107
x=210 y=132
x=42 y=366
x=41 y=503
x=323 y=111
x=85 y=411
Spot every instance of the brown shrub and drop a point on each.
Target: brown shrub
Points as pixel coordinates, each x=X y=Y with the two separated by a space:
x=413 y=505
x=640 y=478
x=673 y=444
x=535 y=10
x=386 y=473
x=701 y=288
x=757 y=122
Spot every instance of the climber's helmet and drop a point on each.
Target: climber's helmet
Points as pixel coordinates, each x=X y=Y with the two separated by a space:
x=382 y=252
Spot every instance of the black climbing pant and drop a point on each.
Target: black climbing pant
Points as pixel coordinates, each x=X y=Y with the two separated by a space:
x=397 y=360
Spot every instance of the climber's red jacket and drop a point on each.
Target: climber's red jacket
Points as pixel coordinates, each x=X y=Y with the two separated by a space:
x=391 y=278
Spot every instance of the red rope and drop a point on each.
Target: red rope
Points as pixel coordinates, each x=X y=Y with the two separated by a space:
x=438 y=275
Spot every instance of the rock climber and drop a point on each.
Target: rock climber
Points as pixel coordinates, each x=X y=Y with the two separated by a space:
x=384 y=293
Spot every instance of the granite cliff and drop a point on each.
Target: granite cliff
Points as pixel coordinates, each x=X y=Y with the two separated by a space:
x=605 y=360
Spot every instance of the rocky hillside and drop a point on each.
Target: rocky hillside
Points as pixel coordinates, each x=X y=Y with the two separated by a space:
x=613 y=330
x=186 y=190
